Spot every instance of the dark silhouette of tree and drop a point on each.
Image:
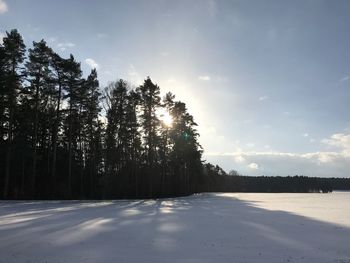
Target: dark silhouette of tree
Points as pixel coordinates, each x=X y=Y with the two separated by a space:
x=39 y=94
x=116 y=96
x=58 y=69
x=13 y=56
x=74 y=95
x=186 y=153
x=166 y=145
x=133 y=140
x=92 y=126
x=150 y=102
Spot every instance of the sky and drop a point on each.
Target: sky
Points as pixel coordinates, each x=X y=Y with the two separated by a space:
x=268 y=82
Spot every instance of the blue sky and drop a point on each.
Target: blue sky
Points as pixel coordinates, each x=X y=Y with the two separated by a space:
x=268 y=82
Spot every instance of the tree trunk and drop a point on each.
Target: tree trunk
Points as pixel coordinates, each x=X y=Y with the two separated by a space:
x=35 y=139
x=70 y=154
x=8 y=158
x=54 y=139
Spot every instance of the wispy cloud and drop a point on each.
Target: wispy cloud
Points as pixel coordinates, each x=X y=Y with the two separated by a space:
x=263 y=98
x=346 y=78
x=3 y=7
x=64 y=45
x=205 y=78
x=306 y=134
x=92 y=63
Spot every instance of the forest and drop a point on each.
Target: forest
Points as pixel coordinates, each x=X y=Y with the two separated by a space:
x=62 y=136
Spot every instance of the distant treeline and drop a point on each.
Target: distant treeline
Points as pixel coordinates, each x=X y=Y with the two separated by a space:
x=63 y=137
x=219 y=181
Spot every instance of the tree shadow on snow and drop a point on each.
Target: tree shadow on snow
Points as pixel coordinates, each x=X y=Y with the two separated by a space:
x=200 y=228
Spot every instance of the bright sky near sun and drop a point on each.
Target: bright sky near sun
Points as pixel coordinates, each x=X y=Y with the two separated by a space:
x=268 y=82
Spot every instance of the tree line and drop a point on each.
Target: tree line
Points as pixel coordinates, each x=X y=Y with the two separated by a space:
x=56 y=144
x=217 y=180
x=63 y=136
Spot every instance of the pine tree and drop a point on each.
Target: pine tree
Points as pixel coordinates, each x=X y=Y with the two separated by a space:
x=13 y=57
x=165 y=143
x=150 y=102
x=73 y=89
x=40 y=89
x=186 y=154
x=133 y=138
x=116 y=96
x=92 y=126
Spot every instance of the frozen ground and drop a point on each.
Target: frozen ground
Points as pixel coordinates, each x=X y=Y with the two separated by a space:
x=202 y=228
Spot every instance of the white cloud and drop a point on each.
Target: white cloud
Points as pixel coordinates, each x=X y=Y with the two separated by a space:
x=263 y=98
x=206 y=78
x=319 y=163
x=91 y=63
x=306 y=135
x=324 y=164
x=3 y=7
x=65 y=45
x=340 y=140
x=239 y=159
x=317 y=156
x=253 y=166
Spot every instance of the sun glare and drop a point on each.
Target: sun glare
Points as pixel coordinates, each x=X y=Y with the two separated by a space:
x=165 y=117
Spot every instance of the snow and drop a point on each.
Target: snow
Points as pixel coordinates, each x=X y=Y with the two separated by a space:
x=215 y=227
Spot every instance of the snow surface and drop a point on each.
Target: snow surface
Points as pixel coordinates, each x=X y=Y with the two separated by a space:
x=218 y=227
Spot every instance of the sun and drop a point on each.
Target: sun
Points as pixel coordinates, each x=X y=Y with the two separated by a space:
x=165 y=117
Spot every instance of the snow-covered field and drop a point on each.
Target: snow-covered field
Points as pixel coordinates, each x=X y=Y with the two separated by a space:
x=239 y=227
